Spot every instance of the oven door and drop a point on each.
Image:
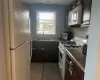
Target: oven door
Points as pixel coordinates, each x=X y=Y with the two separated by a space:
x=62 y=62
x=61 y=53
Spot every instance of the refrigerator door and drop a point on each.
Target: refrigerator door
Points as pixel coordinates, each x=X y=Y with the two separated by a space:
x=19 y=26
x=2 y=47
x=21 y=62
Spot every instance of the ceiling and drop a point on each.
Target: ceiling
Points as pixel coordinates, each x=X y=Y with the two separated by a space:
x=59 y=2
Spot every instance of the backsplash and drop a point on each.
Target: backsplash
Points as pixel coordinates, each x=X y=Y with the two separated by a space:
x=81 y=32
x=80 y=41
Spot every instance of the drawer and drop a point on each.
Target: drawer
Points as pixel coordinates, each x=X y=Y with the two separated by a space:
x=79 y=73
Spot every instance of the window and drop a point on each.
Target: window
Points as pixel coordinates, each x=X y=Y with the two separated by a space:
x=46 y=22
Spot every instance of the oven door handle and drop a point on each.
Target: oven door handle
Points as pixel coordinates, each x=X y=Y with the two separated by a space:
x=61 y=50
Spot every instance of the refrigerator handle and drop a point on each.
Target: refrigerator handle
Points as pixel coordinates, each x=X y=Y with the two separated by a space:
x=31 y=49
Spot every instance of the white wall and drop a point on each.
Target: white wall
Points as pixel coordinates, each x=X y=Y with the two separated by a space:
x=81 y=32
x=94 y=38
x=61 y=12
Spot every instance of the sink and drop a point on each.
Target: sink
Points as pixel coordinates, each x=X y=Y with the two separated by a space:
x=45 y=40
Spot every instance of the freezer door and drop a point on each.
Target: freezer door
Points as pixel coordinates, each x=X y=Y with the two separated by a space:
x=19 y=24
x=21 y=62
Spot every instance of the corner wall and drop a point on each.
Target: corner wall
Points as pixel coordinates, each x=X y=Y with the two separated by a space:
x=92 y=66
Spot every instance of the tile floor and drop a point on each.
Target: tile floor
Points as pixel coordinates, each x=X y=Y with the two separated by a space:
x=45 y=71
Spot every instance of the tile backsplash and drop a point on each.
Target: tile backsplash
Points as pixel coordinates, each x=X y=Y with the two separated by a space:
x=81 y=32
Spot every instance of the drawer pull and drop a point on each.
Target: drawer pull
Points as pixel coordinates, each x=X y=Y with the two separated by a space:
x=70 y=71
x=33 y=48
x=71 y=63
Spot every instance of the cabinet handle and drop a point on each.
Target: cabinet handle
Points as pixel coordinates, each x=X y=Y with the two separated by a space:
x=70 y=71
x=71 y=63
x=33 y=48
x=43 y=48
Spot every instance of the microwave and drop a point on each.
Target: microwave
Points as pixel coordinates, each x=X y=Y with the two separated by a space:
x=75 y=16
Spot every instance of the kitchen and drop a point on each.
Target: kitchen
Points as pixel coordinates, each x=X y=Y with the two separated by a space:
x=52 y=41
x=68 y=47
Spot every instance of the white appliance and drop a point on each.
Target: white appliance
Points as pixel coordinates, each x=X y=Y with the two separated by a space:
x=62 y=59
x=20 y=43
x=2 y=46
x=64 y=36
x=75 y=16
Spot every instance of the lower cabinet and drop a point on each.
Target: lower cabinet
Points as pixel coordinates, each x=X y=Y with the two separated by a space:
x=73 y=72
x=70 y=75
x=45 y=51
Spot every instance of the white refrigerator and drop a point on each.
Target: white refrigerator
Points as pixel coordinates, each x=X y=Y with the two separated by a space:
x=20 y=44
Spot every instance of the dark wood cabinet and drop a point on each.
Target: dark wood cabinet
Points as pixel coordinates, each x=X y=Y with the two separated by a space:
x=51 y=51
x=75 y=16
x=73 y=5
x=70 y=75
x=73 y=72
x=45 y=51
x=86 y=11
x=85 y=15
x=37 y=51
x=79 y=2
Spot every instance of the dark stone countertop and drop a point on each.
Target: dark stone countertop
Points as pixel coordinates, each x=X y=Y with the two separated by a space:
x=77 y=56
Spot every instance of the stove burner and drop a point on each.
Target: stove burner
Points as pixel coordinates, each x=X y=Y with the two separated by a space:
x=71 y=46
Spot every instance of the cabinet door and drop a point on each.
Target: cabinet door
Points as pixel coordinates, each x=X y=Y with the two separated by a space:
x=69 y=74
x=70 y=18
x=51 y=51
x=86 y=11
x=79 y=2
x=79 y=73
x=45 y=51
x=37 y=51
x=33 y=51
x=67 y=71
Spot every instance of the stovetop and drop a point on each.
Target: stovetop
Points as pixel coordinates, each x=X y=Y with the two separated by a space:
x=68 y=44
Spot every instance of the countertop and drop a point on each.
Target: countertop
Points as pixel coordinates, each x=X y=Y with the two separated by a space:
x=77 y=56
x=58 y=40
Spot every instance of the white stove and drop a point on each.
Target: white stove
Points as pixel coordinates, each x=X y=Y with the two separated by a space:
x=62 y=56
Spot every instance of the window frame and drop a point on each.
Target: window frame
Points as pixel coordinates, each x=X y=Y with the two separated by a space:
x=37 y=22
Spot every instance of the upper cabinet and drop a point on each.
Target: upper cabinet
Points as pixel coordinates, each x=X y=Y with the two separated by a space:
x=86 y=11
x=73 y=4
x=75 y=16
x=80 y=13
x=79 y=2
